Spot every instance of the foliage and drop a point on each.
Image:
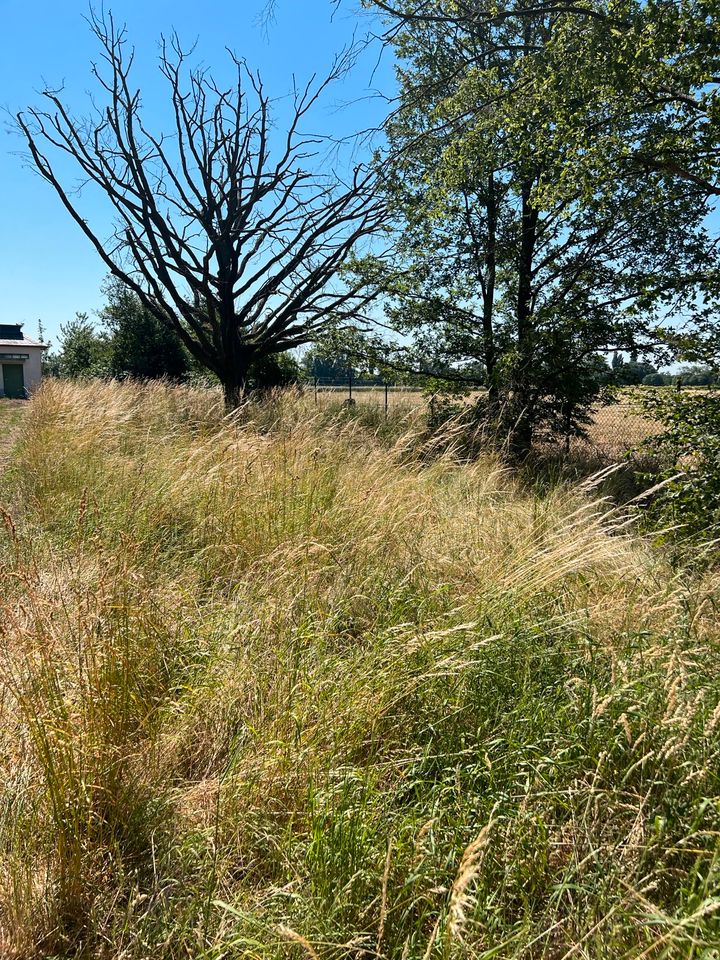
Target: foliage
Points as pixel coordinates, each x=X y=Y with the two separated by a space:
x=133 y=344
x=654 y=69
x=275 y=370
x=338 y=359
x=697 y=375
x=491 y=267
x=346 y=350
x=326 y=362
x=83 y=351
x=688 y=448
x=630 y=373
x=649 y=74
x=140 y=345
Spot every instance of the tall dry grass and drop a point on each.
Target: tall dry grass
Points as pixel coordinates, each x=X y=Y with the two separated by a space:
x=303 y=683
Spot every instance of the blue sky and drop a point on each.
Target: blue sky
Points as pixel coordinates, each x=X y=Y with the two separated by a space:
x=47 y=268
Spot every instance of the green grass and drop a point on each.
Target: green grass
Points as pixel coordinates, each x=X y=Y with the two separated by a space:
x=11 y=414
x=299 y=683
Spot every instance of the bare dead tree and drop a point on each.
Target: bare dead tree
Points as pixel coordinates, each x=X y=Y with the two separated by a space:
x=223 y=229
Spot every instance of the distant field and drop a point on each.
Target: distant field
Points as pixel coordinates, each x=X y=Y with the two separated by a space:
x=616 y=428
x=396 y=396
x=621 y=426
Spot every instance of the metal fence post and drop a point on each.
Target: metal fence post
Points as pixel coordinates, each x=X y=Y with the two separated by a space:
x=386 y=400
x=568 y=429
x=315 y=382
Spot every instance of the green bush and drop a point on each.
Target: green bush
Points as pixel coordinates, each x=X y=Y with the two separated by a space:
x=688 y=450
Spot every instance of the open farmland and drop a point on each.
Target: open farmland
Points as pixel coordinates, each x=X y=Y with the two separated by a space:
x=620 y=426
x=275 y=685
x=615 y=428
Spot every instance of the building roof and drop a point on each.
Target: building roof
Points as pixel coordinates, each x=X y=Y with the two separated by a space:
x=11 y=335
x=11 y=331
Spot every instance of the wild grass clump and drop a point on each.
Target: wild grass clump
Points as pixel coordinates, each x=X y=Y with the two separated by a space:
x=294 y=683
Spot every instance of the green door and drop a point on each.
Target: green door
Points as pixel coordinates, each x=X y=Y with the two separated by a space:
x=13 y=379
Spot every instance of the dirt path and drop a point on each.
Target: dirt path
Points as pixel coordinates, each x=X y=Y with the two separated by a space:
x=12 y=413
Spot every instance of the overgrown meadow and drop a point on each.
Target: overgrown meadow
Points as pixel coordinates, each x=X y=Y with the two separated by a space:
x=305 y=684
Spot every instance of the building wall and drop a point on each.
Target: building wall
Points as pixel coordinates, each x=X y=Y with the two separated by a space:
x=32 y=367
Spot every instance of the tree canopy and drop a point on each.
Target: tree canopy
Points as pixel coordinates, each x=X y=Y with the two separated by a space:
x=141 y=345
x=548 y=176
x=504 y=256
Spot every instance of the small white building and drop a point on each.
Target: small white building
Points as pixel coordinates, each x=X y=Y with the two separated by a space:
x=20 y=361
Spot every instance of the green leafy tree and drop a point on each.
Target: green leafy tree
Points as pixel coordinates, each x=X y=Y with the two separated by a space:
x=688 y=451
x=632 y=372
x=83 y=351
x=346 y=351
x=275 y=370
x=140 y=345
x=490 y=266
x=697 y=375
x=326 y=364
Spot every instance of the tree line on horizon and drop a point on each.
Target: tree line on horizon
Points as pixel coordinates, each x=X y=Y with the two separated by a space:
x=129 y=343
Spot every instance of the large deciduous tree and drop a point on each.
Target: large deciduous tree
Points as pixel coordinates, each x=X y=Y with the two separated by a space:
x=650 y=71
x=491 y=264
x=224 y=228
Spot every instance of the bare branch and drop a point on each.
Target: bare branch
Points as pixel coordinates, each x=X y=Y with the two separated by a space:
x=223 y=228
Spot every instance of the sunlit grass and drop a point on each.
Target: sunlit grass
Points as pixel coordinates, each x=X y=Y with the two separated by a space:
x=302 y=682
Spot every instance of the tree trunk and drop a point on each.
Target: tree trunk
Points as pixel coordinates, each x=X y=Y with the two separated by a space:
x=233 y=394
x=489 y=297
x=239 y=358
x=521 y=433
x=522 y=407
x=235 y=385
x=520 y=437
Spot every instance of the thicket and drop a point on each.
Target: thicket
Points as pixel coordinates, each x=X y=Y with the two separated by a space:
x=277 y=685
x=687 y=453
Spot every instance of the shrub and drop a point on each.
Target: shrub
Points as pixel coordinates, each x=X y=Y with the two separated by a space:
x=688 y=450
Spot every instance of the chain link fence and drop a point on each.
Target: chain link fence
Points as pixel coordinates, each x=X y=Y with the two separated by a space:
x=615 y=430
x=351 y=391
x=620 y=429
